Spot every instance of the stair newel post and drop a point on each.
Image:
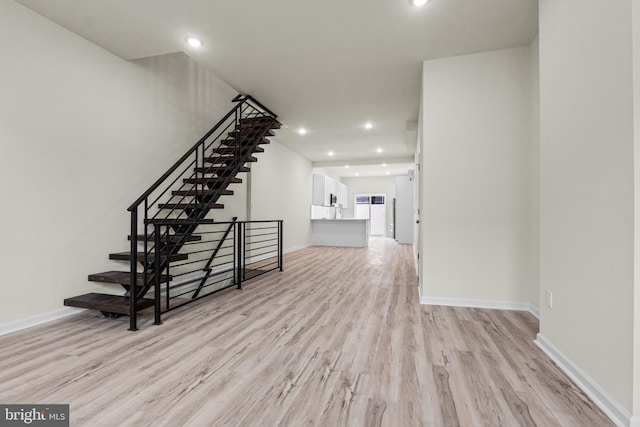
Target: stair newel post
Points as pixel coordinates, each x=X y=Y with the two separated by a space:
x=157 y=273
x=199 y=162
x=280 y=244
x=236 y=160
x=133 y=266
x=145 y=243
x=239 y=259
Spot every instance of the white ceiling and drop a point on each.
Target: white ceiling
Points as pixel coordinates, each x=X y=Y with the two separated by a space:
x=327 y=65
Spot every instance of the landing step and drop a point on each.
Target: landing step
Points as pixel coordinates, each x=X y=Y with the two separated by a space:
x=199 y=192
x=124 y=277
x=126 y=256
x=189 y=206
x=107 y=303
x=173 y=238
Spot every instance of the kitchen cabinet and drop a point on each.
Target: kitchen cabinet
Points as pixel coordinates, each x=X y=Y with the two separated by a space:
x=323 y=188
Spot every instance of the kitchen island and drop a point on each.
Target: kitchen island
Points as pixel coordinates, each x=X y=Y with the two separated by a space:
x=340 y=232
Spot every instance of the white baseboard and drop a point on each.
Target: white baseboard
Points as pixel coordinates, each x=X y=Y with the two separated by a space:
x=297 y=248
x=19 y=325
x=534 y=310
x=618 y=414
x=479 y=303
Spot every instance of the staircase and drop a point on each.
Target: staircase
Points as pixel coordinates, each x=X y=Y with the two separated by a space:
x=175 y=215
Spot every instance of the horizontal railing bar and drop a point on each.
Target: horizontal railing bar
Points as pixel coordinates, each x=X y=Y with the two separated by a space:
x=261 y=228
x=262 y=241
x=194 y=262
x=264 y=253
x=251 y=250
x=200 y=270
x=196 y=250
x=195 y=281
x=262 y=234
x=205 y=250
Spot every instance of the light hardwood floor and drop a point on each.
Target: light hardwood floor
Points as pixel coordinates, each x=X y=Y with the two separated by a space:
x=338 y=339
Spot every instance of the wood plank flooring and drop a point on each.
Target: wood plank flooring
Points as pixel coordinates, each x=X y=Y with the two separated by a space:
x=338 y=339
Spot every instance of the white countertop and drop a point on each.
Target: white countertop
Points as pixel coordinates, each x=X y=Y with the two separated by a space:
x=338 y=219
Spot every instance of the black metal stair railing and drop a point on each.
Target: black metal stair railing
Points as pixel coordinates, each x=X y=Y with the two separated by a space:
x=220 y=255
x=167 y=217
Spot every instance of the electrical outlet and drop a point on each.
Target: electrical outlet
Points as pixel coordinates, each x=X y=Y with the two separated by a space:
x=549 y=298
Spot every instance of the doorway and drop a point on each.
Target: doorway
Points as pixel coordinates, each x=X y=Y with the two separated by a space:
x=374 y=208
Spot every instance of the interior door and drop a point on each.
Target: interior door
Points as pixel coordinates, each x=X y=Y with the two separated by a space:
x=378 y=215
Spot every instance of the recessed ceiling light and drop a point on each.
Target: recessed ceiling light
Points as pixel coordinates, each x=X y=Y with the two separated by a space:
x=368 y=125
x=330 y=153
x=384 y=165
x=419 y=2
x=356 y=173
x=387 y=172
x=346 y=166
x=193 y=41
x=379 y=150
x=302 y=131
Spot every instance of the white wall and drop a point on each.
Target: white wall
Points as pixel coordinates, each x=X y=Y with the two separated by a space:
x=84 y=133
x=586 y=187
x=372 y=185
x=281 y=183
x=636 y=151
x=533 y=238
x=477 y=216
x=404 y=209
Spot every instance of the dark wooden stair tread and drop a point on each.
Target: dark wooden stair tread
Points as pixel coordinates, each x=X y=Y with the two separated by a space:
x=250 y=134
x=229 y=160
x=107 y=303
x=264 y=121
x=215 y=170
x=231 y=150
x=253 y=141
x=126 y=256
x=124 y=277
x=212 y=180
x=178 y=221
x=172 y=238
x=228 y=169
x=189 y=206
x=199 y=192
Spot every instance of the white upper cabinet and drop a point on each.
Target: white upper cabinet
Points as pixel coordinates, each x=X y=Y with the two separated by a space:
x=323 y=188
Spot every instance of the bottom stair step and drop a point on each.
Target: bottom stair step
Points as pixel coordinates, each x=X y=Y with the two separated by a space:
x=124 y=277
x=106 y=303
